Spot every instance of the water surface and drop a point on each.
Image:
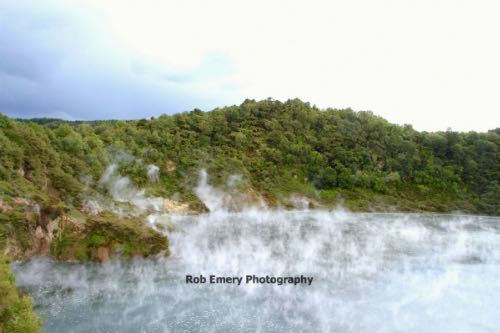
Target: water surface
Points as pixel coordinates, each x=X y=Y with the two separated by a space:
x=372 y=273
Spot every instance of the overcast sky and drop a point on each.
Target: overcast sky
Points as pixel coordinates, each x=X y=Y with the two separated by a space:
x=430 y=63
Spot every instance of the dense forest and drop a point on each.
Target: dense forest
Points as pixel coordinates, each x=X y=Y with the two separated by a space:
x=53 y=172
x=279 y=149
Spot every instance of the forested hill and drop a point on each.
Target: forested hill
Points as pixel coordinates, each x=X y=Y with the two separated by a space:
x=280 y=150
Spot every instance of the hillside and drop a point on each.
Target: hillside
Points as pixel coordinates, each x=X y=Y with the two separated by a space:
x=58 y=178
x=82 y=190
x=278 y=149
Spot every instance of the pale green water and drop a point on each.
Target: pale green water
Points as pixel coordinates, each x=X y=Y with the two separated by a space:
x=372 y=273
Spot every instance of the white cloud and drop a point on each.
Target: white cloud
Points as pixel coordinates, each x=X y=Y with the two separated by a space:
x=430 y=63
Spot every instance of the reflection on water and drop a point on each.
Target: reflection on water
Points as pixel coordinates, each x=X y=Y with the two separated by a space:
x=372 y=273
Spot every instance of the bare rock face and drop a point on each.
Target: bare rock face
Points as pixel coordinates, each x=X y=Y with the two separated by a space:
x=91 y=207
x=172 y=206
x=170 y=167
x=4 y=207
x=43 y=237
x=21 y=201
x=42 y=242
x=102 y=254
x=50 y=231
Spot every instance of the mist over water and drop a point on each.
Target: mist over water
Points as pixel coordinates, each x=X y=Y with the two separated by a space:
x=372 y=272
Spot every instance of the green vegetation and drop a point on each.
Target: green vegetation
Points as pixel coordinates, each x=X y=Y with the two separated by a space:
x=279 y=148
x=106 y=235
x=16 y=314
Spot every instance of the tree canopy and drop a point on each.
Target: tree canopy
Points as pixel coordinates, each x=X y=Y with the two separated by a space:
x=279 y=148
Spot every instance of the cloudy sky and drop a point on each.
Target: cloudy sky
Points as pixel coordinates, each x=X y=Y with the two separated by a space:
x=430 y=63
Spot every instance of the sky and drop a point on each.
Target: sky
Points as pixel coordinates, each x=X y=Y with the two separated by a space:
x=433 y=64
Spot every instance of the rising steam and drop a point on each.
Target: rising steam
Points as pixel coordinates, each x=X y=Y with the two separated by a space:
x=372 y=272
x=153 y=173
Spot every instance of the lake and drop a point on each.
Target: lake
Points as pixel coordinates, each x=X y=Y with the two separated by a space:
x=371 y=273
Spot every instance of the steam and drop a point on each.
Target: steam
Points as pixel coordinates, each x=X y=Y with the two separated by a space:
x=121 y=190
x=92 y=207
x=299 y=202
x=233 y=180
x=212 y=198
x=125 y=199
x=235 y=199
x=153 y=173
x=372 y=272
x=107 y=175
x=120 y=156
